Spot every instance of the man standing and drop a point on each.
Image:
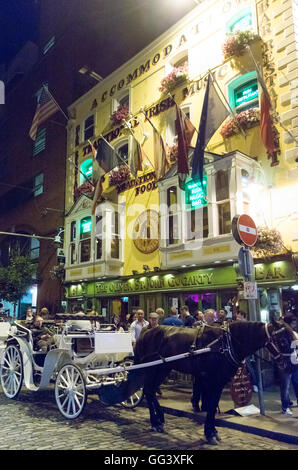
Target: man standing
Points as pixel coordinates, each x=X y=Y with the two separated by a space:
x=137 y=326
x=186 y=317
x=173 y=319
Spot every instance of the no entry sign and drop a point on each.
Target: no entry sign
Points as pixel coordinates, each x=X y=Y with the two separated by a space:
x=244 y=230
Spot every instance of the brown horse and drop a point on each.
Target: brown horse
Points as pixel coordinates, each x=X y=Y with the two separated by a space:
x=229 y=347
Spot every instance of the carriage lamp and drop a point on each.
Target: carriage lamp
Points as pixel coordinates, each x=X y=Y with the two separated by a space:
x=156 y=269
x=146 y=267
x=135 y=272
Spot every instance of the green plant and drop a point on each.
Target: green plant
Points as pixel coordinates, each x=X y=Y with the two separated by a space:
x=236 y=43
x=16 y=278
x=177 y=76
x=269 y=242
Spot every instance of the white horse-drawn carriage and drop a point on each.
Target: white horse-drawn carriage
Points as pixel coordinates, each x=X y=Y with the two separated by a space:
x=79 y=364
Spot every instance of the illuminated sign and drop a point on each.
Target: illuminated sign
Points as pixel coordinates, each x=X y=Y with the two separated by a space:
x=195 y=194
x=86 y=225
x=246 y=93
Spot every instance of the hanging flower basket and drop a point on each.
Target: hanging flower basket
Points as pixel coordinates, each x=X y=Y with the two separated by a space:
x=175 y=78
x=235 y=48
x=85 y=188
x=269 y=242
x=120 y=175
x=246 y=120
x=121 y=113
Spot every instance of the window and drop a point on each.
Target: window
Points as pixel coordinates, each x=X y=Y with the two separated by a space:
x=196 y=210
x=98 y=238
x=123 y=153
x=245 y=190
x=89 y=127
x=34 y=248
x=49 y=45
x=223 y=201
x=241 y=21
x=85 y=239
x=40 y=141
x=73 y=233
x=244 y=92
x=173 y=232
x=115 y=239
x=86 y=170
x=38 y=184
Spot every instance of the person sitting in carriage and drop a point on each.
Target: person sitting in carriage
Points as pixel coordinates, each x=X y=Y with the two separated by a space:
x=43 y=339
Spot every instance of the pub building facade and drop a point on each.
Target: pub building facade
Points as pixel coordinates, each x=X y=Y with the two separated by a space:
x=152 y=244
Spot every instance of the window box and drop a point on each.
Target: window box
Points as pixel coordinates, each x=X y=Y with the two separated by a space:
x=176 y=77
x=121 y=113
x=245 y=120
x=85 y=188
x=120 y=175
x=235 y=48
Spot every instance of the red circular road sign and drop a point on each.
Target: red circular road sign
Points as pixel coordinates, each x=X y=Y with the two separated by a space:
x=244 y=230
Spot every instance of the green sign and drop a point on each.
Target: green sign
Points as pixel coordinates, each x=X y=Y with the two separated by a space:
x=86 y=225
x=195 y=194
x=246 y=93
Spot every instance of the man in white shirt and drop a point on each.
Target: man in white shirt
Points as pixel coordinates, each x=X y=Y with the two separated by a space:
x=137 y=326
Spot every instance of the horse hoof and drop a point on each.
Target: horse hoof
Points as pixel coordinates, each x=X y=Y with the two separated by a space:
x=160 y=428
x=212 y=441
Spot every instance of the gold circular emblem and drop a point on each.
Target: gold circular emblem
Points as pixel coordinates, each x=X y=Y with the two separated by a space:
x=146 y=231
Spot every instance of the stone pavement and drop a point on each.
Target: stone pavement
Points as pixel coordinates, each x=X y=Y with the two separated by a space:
x=33 y=422
x=274 y=425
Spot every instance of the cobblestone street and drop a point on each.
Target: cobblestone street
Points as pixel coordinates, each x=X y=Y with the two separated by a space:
x=34 y=422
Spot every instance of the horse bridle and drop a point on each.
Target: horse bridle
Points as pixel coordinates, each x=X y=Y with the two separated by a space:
x=271 y=346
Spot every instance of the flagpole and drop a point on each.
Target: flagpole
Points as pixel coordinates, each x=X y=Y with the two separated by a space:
x=227 y=103
x=132 y=133
x=47 y=91
x=264 y=88
x=102 y=137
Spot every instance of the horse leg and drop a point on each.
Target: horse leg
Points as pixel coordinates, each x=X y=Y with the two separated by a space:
x=214 y=393
x=152 y=382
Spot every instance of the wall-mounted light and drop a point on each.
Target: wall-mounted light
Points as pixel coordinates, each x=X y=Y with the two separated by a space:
x=156 y=269
x=146 y=267
x=135 y=272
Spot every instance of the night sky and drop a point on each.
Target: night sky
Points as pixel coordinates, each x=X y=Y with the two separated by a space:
x=17 y=25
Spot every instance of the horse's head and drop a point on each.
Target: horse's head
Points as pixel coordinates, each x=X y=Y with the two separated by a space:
x=282 y=342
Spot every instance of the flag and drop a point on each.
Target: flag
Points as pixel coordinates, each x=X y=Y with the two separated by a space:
x=185 y=131
x=46 y=106
x=106 y=156
x=136 y=157
x=266 y=126
x=162 y=161
x=213 y=114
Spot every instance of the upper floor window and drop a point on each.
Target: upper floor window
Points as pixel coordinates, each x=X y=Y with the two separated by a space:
x=34 y=248
x=241 y=21
x=85 y=239
x=89 y=127
x=73 y=234
x=196 y=210
x=222 y=195
x=122 y=151
x=40 y=141
x=244 y=92
x=173 y=231
x=86 y=170
x=38 y=184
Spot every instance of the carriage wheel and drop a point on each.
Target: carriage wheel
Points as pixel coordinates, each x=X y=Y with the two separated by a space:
x=135 y=399
x=70 y=391
x=12 y=371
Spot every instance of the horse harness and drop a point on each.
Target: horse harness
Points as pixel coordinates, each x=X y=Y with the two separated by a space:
x=270 y=344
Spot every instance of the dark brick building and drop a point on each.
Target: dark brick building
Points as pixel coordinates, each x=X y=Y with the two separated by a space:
x=99 y=35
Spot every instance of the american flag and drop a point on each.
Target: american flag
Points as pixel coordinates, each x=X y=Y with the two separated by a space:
x=45 y=108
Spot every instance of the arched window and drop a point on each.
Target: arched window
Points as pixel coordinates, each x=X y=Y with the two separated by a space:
x=244 y=92
x=86 y=169
x=241 y=21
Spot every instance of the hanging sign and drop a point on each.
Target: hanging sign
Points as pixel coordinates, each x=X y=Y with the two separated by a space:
x=195 y=194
